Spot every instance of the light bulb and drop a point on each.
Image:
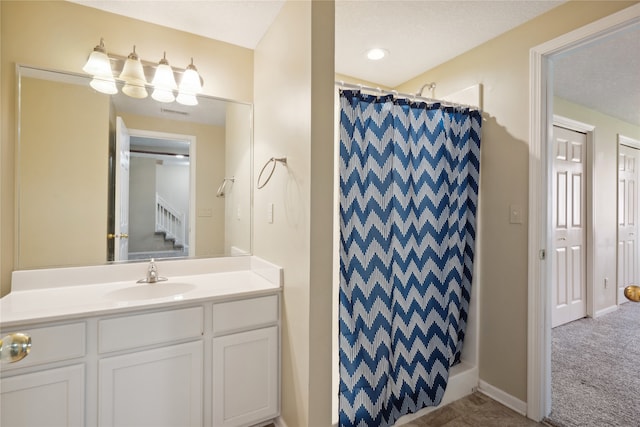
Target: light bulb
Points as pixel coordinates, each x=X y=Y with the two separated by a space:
x=376 y=54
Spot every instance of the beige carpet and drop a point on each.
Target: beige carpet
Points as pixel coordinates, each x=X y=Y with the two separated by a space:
x=595 y=376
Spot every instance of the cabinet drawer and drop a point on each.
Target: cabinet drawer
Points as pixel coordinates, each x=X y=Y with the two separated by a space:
x=244 y=314
x=52 y=344
x=122 y=333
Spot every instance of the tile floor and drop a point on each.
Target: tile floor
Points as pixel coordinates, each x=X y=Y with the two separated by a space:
x=475 y=410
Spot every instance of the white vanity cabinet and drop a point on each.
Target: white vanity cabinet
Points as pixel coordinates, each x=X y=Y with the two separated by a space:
x=245 y=361
x=156 y=387
x=208 y=363
x=39 y=390
x=52 y=397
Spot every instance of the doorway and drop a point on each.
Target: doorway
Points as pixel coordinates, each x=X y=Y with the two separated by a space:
x=540 y=274
x=628 y=204
x=159 y=196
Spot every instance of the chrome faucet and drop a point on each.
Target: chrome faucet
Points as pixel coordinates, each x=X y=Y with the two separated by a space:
x=152 y=274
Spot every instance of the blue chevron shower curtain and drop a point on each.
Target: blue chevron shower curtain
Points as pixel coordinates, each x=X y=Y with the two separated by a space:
x=408 y=196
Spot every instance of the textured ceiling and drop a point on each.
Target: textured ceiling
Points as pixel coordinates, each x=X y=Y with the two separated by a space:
x=603 y=75
x=418 y=35
x=239 y=22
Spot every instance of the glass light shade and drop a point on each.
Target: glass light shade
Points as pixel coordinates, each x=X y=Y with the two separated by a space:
x=104 y=85
x=98 y=65
x=164 y=78
x=132 y=72
x=135 y=91
x=187 y=99
x=163 y=95
x=190 y=82
x=164 y=82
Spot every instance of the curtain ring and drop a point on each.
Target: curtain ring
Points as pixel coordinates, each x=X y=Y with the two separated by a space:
x=273 y=160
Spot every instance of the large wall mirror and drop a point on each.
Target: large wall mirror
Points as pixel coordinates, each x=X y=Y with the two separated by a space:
x=108 y=178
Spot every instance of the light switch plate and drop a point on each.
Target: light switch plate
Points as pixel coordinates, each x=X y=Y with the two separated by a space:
x=270 y=213
x=515 y=214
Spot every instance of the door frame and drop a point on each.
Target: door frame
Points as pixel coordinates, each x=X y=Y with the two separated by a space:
x=192 y=174
x=539 y=272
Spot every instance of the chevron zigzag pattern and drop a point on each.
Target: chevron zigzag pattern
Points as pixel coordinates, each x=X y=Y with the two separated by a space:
x=408 y=200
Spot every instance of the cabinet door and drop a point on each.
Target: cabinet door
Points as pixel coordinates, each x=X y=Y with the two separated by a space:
x=245 y=377
x=54 y=397
x=160 y=387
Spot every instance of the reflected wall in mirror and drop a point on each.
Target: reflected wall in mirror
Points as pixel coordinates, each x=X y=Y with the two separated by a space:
x=109 y=178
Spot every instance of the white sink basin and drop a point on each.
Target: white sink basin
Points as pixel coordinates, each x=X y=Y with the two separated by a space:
x=145 y=291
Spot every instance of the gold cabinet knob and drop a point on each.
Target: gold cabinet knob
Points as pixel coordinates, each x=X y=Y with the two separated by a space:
x=14 y=347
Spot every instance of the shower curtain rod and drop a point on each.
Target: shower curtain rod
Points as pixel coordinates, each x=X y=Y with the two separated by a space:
x=411 y=96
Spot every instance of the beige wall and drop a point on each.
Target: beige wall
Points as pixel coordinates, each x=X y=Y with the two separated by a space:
x=502 y=67
x=60 y=142
x=605 y=162
x=294 y=75
x=209 y=164
x=60 y=35
x=238 y=165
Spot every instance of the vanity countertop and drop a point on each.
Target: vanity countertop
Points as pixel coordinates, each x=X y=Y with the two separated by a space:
x=61 y=298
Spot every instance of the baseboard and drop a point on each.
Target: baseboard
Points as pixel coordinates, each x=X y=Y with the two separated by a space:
x=279 y=422
x=604 y=311
x=500 y=396
x=463 y=380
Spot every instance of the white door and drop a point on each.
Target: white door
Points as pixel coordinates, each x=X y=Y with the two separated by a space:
x=53 y=397
x=156 y=388
x=569 y=232
x=628 y=254
x=121 y=244
x=245 y=377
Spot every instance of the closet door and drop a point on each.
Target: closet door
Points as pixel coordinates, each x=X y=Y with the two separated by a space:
x=628 y=253
x=569 y=226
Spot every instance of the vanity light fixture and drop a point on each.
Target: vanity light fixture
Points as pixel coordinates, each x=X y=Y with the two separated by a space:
x=99 y=66
x=164 y=83
x=133 y=75
x=190 y=86
x=135 y=82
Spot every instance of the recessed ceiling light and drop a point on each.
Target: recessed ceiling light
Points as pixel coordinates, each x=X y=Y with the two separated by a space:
x=376 y=53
